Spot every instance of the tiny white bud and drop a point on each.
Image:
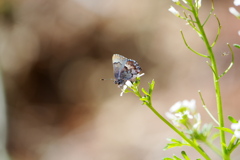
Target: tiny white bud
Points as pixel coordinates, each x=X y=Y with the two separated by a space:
x=174 y=11
x=236 y=2
x=198 y=3
x=234 y=11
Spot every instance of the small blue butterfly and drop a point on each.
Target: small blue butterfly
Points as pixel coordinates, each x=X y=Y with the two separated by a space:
x=124 y=69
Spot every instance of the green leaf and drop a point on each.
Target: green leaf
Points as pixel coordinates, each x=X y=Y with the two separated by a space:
x=151 y=87
x=126 y=91
x=233 y=120
x=236 y=45
x=167 y=158
x=175 y=143
x=214 y=136
x=174 y=140
x=176 y=158
x=185 y=155
x=144 y=98
x=225 y=129
x=145 y=92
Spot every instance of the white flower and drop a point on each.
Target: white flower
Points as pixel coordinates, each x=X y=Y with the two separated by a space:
x=175 y=1
x=173 y=118
x=234 y=11
x=236 y=127
x=140 y=75
x=239 y=33
x=184 y=1
x=174 y=11
x=198 y=3
x=127 y=84
x=236 y=2
x=198 y=119
x=123 y=89
x=189 y=105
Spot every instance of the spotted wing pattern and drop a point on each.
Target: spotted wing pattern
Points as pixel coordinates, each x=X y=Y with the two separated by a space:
x=124 y=69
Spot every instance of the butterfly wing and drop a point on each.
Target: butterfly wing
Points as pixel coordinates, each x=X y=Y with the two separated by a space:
x=118 y=67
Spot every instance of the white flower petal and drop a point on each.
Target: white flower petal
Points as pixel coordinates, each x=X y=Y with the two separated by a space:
x=124 y=88
x=198 y=3
x=237 y=134
x=198 y=119
x=236 y=126
x=174 y=11
x=239 y=33
x=128 y=84
x=176 y=107
x=236 y=2
x=234 y=11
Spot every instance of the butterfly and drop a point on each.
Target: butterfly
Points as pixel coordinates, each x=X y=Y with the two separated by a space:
x=124 y=69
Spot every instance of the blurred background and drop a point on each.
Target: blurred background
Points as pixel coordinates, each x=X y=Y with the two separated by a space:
x=54 y=53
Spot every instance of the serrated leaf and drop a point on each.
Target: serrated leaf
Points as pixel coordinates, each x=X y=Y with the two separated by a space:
x=225 y=129
x=236 y=45
x=233 y=120
x=145 y=92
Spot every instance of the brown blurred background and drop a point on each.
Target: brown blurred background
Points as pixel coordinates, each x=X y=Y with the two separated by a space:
x=54 y=53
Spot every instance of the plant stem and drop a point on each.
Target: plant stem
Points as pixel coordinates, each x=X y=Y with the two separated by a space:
x=194 y=145
x=225 y=154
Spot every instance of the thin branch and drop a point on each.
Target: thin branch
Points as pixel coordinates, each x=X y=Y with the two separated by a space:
x=185 y=42
x=205 y=107
x=219 y=30
x=215 y=74
x=231 y=64
x=209 y=15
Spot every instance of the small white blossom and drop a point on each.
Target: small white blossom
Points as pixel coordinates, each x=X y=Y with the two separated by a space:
x=175 y=1
x=123 y=89
x=190 y=105
x=184 y=1
x=236 y=127
x=198 y=121
x=236 y=2
x=128 y=83
x=198 y=3
x=234 y=11
x=174 y=11
x=174 y=118
x=239 y=33
x=140 y=75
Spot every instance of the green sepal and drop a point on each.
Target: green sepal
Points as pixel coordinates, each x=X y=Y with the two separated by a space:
x=145 y=92
x=236 y=45
x=233 y=120
x=225 y=129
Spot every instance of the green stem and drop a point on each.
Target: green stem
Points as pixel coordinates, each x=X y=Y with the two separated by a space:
x=214 y=148
x=226 y=156
x=194 y=145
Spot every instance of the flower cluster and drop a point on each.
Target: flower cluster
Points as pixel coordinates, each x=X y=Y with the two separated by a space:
x=236 y=128
x=234 y=11
x=182 y=112
x=198 y=4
